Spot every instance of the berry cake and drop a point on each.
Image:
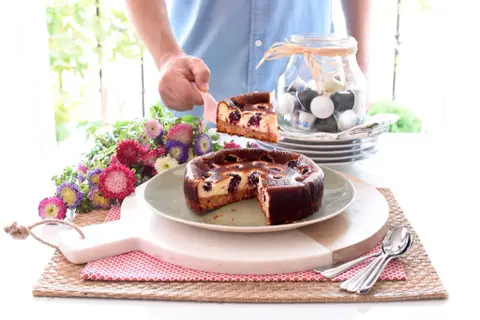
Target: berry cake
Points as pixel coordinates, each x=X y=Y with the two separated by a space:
x=250 y=115
x=288 y=186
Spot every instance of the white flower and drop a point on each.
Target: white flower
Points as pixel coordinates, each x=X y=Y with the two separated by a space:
x=165 y=163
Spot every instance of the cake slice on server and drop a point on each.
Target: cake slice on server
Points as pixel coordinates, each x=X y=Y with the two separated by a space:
x=250 y=115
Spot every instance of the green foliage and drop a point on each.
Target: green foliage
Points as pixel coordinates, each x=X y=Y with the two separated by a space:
x=216 y=146
x=86 y=205
x=71 y=34
x=69 y=174
x=79 y=32
x=157 y=111
x=407 y=122
x=120 y=39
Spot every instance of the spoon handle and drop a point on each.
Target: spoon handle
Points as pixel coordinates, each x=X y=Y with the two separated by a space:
x=332 y=272
x=353 y=282
x=373 y=277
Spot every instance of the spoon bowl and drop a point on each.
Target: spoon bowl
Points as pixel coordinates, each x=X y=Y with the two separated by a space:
x=396 y=241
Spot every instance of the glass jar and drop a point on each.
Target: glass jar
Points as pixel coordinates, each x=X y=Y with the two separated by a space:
x=321 y=88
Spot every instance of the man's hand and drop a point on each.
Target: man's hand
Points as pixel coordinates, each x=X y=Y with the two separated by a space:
x=178 y=78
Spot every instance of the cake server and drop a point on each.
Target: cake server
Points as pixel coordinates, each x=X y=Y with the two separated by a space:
x=209 y=105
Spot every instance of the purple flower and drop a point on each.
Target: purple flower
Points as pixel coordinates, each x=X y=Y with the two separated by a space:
x=70 y=194
x=80 y=177
x=177 y=150
x=93 y=176
x=203 y=144
x=159 y=138
x=252 y=145
x=97 y=198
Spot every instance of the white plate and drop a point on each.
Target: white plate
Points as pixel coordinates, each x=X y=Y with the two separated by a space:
x=328 y=144
x=312 y=152
x=363 y=156
x=372 y=127
x=331 y=157
x=339 y=148
x=164 y=195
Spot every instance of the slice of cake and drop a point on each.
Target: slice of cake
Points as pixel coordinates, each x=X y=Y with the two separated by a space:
x=288 y=186
x=250 y=115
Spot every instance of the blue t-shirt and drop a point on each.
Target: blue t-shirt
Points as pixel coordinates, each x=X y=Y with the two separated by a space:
x=231 y=36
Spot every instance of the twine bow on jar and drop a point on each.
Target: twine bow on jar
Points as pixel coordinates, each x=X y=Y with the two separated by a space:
x=287 y=49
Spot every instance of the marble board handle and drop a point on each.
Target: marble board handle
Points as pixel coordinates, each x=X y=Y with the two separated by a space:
x=101 y=241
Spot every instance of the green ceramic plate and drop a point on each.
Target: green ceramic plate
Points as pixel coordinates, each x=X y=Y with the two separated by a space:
x=164 y=195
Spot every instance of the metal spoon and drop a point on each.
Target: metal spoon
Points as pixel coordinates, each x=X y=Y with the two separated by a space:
x=332 y=272
x=372 y=279
x=369 y=268
x=394 y=244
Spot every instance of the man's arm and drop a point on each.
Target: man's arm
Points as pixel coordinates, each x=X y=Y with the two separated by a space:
x=178 y=71
x=357 y=18
x=150 y=21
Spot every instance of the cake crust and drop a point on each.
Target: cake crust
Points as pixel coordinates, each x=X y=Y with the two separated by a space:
x=288 y=186
x=225 y=127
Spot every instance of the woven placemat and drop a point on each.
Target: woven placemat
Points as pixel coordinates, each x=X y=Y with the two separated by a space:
x=62 y=279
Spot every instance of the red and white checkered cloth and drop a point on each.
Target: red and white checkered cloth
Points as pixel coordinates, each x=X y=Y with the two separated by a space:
x=138 y=266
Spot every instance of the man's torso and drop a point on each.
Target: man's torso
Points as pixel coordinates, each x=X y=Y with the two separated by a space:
x=232 y=37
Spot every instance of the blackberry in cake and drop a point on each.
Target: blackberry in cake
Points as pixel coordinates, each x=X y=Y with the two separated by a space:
x=250 y=115
x=288 y=186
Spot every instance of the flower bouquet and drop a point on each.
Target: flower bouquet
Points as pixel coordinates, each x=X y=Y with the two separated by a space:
x=125 y=155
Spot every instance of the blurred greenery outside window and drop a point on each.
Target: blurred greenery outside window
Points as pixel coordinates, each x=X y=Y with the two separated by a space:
x=83 y=36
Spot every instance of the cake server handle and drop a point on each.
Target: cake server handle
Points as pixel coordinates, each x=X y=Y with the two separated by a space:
x=209 y=105
x=335 y=271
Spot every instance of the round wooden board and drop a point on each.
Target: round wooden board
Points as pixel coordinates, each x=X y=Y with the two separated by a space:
x=344 y=237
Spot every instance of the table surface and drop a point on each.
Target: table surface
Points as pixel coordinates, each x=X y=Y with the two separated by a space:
x=435 y=189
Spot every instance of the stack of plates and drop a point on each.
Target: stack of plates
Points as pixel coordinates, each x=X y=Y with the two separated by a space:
x=356 y=144
x=328 y=152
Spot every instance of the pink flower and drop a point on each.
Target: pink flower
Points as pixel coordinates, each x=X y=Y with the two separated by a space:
x=181 y=132
x=153 y=129
x=52 y=208
x=128 y=152
x=231 y=145
x=117 y=182
x=81 y=168
x=149 y=157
